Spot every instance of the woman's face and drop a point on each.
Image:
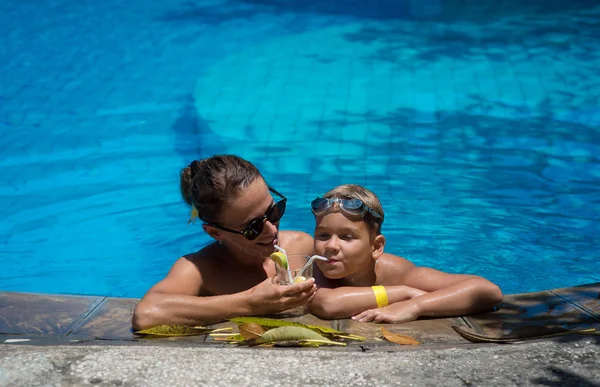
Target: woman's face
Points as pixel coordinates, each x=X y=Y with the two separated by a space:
x=251 y=204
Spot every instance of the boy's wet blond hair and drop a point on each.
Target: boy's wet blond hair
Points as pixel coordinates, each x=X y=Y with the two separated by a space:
x=368 y=197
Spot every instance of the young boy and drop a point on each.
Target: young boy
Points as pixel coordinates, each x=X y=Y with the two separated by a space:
x=363 y=282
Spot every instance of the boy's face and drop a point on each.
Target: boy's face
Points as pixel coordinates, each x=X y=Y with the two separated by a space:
x=347 y=243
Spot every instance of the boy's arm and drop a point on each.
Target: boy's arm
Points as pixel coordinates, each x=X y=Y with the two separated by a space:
x=452 y=294
x=174 y=300
x=447 y=295
x=332 y=301
x=347 y=301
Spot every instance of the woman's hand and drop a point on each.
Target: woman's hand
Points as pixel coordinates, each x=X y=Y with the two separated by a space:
x=398 y=312
x=269 y=297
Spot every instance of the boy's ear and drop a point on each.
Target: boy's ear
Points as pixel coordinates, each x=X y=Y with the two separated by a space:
x=378 y=245
x=212 y=231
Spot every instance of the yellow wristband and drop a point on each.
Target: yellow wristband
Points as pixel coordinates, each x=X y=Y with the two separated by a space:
x=380 y=296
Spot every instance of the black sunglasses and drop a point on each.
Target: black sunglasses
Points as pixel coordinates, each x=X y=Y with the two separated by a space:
x=255 y=228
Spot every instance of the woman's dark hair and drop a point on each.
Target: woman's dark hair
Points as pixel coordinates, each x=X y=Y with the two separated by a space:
x=209 y=183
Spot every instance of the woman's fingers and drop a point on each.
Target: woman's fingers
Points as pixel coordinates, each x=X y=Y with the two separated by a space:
x=299 y=287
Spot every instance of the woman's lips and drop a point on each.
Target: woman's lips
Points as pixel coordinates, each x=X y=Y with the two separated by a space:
x=271 y=242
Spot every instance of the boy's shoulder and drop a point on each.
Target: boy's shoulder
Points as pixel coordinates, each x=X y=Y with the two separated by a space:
x=294 y=236
x=296 y=242
x=390 y=268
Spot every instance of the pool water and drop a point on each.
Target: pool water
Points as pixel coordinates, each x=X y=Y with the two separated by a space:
x=477 y=124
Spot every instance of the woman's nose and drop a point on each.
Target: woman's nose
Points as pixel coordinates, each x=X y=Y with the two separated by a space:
x=269 y=227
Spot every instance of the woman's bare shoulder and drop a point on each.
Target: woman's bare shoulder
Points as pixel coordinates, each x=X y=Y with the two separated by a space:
x=185 y=276
x=189 y=273
x=206 y=256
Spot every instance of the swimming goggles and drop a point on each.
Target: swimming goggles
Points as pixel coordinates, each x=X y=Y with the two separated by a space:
x=256 y=226
x=349 y=206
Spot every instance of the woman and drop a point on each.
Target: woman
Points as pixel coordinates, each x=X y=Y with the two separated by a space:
x=232 y=276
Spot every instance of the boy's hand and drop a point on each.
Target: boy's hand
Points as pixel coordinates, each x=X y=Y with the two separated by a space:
x=398 y=312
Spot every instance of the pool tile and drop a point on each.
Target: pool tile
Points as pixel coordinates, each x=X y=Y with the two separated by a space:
x=528 y=315
x=24 y=313
x=110 y=320
x=587 y=297
x=428 y=331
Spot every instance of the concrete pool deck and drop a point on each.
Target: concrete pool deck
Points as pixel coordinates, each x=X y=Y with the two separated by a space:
x=55 y=340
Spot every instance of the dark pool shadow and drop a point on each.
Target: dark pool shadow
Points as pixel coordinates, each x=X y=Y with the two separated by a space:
x=580 y=339
x=209 y=14
x=483 y=114
x=560 y=377
x=431 y=9
x=459 y=39
x=227 y=10
x=458 y=29
x=193 y=137
x=481 y=118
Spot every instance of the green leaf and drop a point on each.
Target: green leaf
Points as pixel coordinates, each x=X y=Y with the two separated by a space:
x=289 y=334
x=269 y=323
x=334 y=333
x=176 y=330
x=226 y=337
x=265 y=322
x=292 y=336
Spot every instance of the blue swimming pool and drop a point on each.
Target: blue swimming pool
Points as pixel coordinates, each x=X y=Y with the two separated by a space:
x=476 y=122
